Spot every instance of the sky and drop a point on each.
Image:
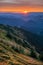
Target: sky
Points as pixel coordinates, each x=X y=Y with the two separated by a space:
x=21 y=5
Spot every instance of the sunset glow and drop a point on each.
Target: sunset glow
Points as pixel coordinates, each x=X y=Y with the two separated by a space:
x=25 y=12
x=21 y=9
x=21 y=6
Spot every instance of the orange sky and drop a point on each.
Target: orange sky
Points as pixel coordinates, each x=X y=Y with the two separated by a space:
x=18 y=8
x=21 y=9
x=21 y=5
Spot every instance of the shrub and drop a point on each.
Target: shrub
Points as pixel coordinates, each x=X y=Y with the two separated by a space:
x=33 y=53
x=15 y=49
x=20 y=50
x=15 y=39
x=9 y=35
x=6 y=57
x=41 y=57
x=1 y=59
x=19 y=41
x=2 y=51
x=11 y=63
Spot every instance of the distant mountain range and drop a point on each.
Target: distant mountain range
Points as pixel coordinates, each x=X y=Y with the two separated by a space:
x=31 y=21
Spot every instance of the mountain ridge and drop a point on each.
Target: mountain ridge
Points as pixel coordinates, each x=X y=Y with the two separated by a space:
x=31 y=21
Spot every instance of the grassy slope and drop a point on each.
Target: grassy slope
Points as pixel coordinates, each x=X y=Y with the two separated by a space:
x=9 y=56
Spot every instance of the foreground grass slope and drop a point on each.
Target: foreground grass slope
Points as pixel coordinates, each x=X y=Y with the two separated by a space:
x=9 y=56
x=14 y=48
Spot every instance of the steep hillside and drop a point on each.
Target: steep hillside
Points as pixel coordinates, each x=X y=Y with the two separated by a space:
x=15 y=49
x=10 y=56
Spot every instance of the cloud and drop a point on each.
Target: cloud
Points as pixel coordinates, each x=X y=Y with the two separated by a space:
x=24 y=2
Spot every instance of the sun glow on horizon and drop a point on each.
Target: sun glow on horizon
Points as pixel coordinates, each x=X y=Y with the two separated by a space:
x=25 y=12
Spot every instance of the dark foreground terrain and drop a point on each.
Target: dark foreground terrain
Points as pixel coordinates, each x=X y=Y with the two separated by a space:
x=16 y=49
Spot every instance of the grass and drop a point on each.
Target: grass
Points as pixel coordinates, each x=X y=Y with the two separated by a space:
x=11 y=57
x=1 y=59
x=12 y=53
